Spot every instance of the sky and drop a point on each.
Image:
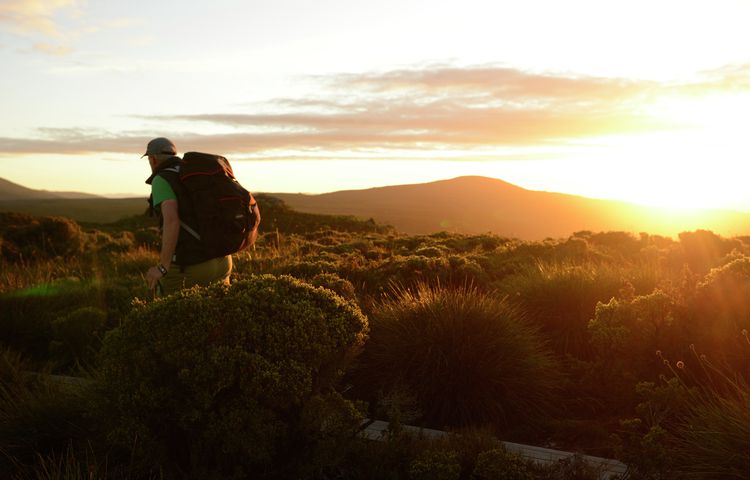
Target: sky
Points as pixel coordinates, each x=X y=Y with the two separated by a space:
x=643 y=101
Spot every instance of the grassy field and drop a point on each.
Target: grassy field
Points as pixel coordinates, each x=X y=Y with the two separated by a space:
x=603 y=343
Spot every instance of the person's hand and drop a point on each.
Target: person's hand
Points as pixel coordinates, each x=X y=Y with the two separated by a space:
x=152 y=276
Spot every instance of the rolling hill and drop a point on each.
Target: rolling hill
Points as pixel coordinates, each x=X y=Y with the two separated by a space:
x=463 y=205
x=480 y=204
x=83 y=207
x=10 y=191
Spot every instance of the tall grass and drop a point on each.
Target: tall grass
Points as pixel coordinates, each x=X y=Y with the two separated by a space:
x=37 y=417
x=560 y=298
x=467 y=356
x=713 y=434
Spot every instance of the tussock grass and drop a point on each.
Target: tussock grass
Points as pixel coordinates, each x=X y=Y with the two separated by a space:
x=469 y=357
x=560 y=298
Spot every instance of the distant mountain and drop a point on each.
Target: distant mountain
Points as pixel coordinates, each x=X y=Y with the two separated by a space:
x=480 y=204
x=462 y=205
x=10 y=191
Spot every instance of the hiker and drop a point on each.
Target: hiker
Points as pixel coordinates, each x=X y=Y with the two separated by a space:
x=184 y=260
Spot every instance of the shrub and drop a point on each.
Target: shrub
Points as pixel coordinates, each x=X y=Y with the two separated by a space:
x=76 y=336
x=38 y=418
x=468 y=357
x=721 y=308
x=330 y=422
x=331 y=281
x=28 y=237
x=435 y=465
x=26 y=316
x=694 y=425
x=430 y=252
x=625 y=334
x=123 y=242
x=499 y=464
x=214 y=380
x=704 y=249
x=32 y=318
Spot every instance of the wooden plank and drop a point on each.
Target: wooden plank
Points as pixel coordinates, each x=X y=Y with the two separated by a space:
x=606 y=467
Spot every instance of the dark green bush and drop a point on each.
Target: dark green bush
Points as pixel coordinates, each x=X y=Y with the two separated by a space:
x=213 y=381
x=331 y=281
x=468 y=357
x=499 y=464
x=77 y=335
x=40 y=418
x=28 y=317
x=307 y=268
x=435 y=465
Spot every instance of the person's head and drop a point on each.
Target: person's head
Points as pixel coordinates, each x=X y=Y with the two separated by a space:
x=159 y=150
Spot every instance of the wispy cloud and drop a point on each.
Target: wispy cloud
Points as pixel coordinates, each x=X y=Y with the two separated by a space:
x=436 y=109
x=35 y=16
x=40 y=19
x=54 y=25
x=51 y=49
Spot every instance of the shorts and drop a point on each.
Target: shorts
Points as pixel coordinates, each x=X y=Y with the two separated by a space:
x=216 y=270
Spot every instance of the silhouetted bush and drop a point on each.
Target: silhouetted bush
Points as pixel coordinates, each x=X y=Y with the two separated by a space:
x=468 y=357
x=214 y=380
x=704 y=249
x=28 y=238
x=626 y=334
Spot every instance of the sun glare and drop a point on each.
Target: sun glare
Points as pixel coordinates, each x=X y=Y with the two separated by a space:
x=699 y=163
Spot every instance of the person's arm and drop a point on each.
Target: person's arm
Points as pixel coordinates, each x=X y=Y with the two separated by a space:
x=170 y=234
x=254 y=206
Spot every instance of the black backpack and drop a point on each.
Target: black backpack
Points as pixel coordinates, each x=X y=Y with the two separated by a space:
x=223 y=215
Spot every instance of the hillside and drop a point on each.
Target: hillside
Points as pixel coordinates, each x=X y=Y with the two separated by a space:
x=462 y=205
x=10 y=191
x=480 y=204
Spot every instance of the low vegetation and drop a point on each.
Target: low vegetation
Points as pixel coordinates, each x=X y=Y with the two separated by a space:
x=603 y=343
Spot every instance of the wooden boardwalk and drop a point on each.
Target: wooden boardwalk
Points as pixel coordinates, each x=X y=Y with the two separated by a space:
x=607 y=468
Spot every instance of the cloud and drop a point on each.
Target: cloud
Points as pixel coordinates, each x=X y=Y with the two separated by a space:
x=35 y=16
x=462 y=107
x=51 y=49
x=429 y=110
x=40 y=19
x=727 y=78
x=498 y=82
x=54 y=25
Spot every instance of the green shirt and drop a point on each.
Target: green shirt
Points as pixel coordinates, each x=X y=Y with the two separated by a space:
x=161 y=190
